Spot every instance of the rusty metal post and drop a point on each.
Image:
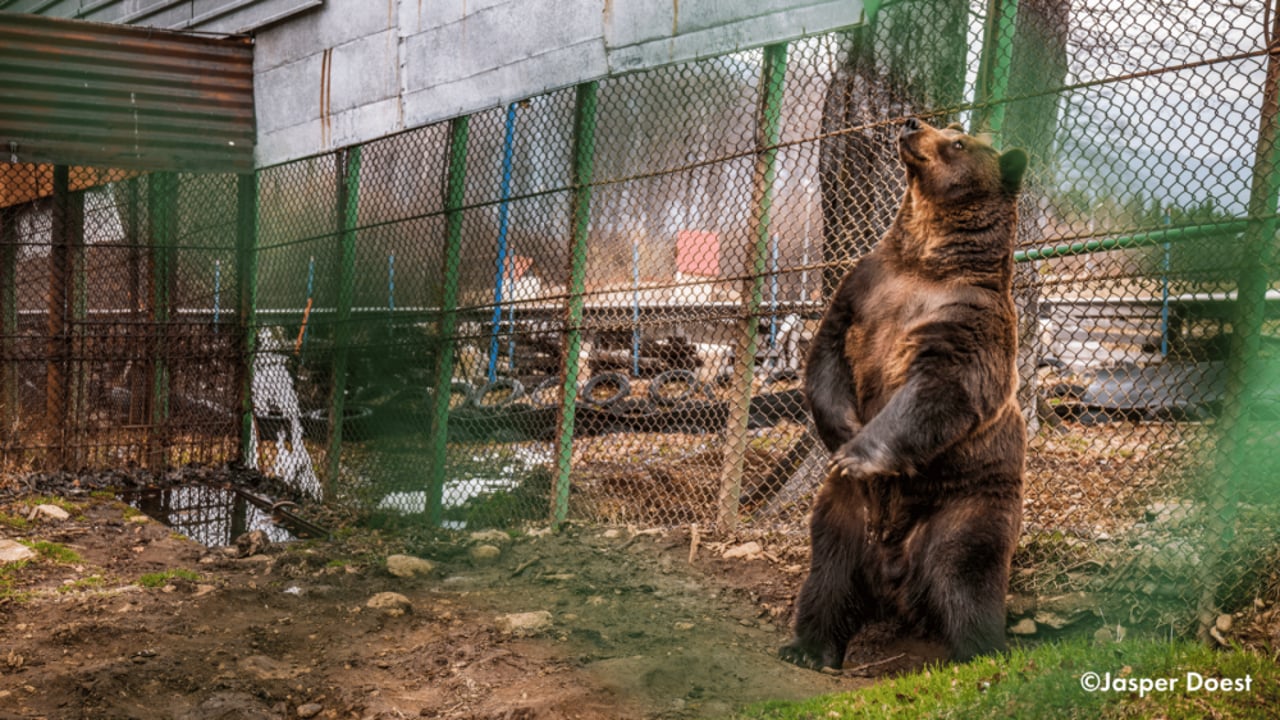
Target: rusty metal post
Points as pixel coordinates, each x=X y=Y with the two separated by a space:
x=773 y=79
x=8 y=323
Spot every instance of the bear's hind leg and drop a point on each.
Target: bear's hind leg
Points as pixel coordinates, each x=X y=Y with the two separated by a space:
x=961 y=576
x=834 y=602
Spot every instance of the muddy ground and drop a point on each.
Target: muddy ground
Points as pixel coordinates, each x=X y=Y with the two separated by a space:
x=636 y=630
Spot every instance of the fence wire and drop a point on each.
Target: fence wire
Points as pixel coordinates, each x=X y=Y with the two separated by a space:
x=594 y=304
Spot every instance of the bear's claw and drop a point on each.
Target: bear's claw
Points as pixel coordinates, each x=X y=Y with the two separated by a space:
x=800 y=653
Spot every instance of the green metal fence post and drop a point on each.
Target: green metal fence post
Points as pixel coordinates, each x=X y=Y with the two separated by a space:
x=247 y=299
x=993 y=68
x=8 y=322
x=1244 y=367
x=347 y=205
x=454 y=188
x=162 y=197
x=773 y=80
x=584 y=142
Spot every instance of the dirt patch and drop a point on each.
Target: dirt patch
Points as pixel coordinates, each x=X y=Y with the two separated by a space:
x=136 y=621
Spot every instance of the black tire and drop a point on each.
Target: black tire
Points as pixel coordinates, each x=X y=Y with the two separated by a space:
x=460 y=394
x=499 y=393
x=786 y=375
x=605 y=389
x=633 y=407
x=769 y=409
x=414 y=402
x=546 y=394
x=674 y=387
x=357 y=422
x=637 y=414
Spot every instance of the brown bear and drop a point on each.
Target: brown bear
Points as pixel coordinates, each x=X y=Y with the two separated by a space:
x=911 y=382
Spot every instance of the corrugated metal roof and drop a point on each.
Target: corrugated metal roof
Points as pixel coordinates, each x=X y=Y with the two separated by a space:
x=213 y=16
x=78 y=93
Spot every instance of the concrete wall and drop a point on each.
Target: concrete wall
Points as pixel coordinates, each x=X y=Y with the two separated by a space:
x=356 y=70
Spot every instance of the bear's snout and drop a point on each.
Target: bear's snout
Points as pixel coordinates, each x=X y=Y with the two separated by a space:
x=909 y=139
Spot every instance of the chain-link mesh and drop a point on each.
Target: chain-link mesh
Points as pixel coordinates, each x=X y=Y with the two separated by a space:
x=432 y=293
x=119 y=335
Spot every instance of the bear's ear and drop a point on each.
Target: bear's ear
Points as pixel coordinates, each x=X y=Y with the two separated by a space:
x=1013 y=163
x=956 y=126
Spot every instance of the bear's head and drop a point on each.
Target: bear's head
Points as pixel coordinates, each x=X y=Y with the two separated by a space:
x=952 y=169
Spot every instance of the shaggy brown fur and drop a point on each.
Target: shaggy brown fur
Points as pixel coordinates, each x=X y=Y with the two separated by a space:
x=911 y=381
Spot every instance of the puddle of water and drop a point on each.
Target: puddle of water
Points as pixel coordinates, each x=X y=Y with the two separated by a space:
x=456 y=493
x=211 y=516
x=506 y=470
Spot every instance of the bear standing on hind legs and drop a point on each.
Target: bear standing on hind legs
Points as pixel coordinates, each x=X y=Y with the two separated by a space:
x=911 y=380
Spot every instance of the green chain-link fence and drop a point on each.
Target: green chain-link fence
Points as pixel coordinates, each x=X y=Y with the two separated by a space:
x=594 y=304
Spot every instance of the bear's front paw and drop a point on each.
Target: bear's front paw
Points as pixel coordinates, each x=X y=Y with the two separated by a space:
x=856 y=461
x=806 y=655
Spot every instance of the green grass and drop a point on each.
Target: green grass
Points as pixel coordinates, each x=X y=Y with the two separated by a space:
x=85 y=583
x=57 y=552
x=9 y=580
x=1045 y=682
x=16 y=522
x=72 y=509
x=160 y=579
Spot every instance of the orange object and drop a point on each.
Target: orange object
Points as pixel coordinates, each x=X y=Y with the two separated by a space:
x=698 y=253
x=297 y=348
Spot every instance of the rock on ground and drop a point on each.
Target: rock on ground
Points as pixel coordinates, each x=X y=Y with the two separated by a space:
x=525 y=624
x=53 y=512
x=407 y=566
x=491 y=537
x=485 y=553
x=747 y=551
x=1025 y=626
x=252 y=543
x=390 y=602
x=11 y=551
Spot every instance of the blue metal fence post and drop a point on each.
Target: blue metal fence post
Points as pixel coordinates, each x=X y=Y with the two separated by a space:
x=504 y=212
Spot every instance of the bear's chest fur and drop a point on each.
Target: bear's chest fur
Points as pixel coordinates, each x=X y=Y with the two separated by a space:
x=894 y=308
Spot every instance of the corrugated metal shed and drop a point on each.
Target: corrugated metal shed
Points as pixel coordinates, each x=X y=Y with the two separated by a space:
x=78 y=93
x=212 y=16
